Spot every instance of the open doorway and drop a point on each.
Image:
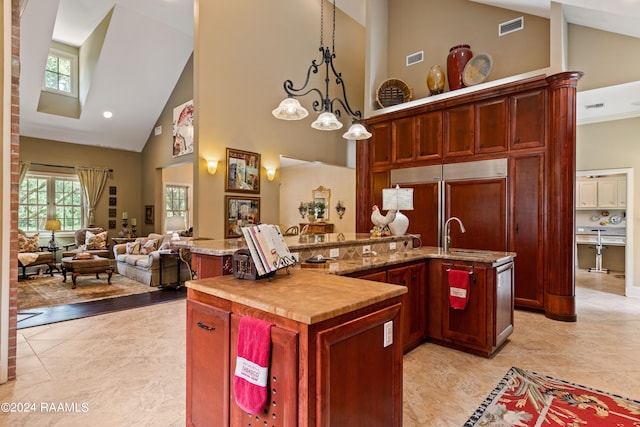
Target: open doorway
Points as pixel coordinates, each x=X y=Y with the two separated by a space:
x=604 y=230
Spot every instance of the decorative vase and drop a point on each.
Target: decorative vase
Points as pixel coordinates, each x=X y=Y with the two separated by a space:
x=456 y=60
x=435 y=80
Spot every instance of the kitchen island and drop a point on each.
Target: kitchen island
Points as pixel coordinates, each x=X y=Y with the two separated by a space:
x=336 y=350
x=335 y=346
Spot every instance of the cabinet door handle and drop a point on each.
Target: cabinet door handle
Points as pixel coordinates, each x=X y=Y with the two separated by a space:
x=205 y=327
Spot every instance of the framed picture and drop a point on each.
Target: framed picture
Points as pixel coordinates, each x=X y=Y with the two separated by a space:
x=183 y=129
x=112 y=212
x=243 y=171
x=113 y=201
x=113 y=191
x=148 y=214
x=240 y=212
x=112 y=224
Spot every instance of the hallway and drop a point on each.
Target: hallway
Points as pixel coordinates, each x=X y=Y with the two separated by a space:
x=128 y=367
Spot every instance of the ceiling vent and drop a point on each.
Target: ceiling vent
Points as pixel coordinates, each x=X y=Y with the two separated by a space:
x=511 y=26
x=414 y=58
x=598 y=105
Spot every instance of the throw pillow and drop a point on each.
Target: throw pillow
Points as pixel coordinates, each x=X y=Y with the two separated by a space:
x=28 y=244
x=148 y=247
x=133 y=248
x=96 y=241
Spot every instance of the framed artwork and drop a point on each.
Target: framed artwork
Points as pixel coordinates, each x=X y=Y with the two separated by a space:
x=183 y=129
x=240 y=212
x=113 y=201
x=112 y=213
x=112 y=224
x=148 y=214
x=243 y=171
x=113 y=191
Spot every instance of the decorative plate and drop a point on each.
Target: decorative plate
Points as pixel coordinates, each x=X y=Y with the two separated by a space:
x=477 y=69
x=393 y=92
x=595 y=218
x=615 y=219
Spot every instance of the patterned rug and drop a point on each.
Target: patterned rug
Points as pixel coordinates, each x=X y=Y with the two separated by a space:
x=45 y=291
x=525 y=398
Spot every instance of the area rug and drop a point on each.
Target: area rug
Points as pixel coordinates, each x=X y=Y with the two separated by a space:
x=46 y=291
x=525 y=398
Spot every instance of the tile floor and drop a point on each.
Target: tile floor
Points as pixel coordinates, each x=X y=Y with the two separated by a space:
x=128 y=368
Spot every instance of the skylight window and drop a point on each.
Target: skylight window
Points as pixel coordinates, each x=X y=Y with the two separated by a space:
x=61 y=73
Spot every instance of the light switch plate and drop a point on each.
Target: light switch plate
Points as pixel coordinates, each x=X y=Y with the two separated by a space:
x=388 y=333
x=392 y=246
x=334 y=253
x=366 y=249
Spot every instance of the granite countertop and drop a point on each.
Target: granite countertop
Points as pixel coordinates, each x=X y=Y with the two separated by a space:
x=300 y=295
x=295 y=243
x=355 y=265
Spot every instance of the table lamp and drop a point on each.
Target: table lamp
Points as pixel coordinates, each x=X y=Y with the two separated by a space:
x=52 y=225
x=173 y=224
x=398 y=199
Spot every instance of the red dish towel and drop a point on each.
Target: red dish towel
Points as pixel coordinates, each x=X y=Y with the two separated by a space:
x=458 y=289
x=252 y=364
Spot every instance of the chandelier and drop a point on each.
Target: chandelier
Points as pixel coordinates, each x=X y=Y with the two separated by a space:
x=329 y=108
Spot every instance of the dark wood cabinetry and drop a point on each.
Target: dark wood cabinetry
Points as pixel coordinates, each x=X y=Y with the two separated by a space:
x=459 y=131
x=402 y=139
x=381 y=143
x=490 y=297
x=531 y=123
x=414 y=277
x=491 y=126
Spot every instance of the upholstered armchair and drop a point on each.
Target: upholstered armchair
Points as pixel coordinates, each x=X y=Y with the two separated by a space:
x=29 y=253
x=95 y=241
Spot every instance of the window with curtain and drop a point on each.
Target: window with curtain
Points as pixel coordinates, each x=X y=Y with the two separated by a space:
x=177 y=201
x=49 y=196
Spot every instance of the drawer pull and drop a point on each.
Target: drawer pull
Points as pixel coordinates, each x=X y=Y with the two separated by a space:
x=205 y=327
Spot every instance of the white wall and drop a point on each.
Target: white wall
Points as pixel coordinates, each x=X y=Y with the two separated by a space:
x=296 y=184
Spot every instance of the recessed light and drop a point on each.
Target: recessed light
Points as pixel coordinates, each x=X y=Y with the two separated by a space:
x=107 y=114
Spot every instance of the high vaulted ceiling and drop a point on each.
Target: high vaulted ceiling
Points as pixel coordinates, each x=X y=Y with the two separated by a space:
x=148 y=43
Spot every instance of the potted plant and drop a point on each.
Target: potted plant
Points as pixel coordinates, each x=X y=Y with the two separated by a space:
x=320 y=208
x=311 y=211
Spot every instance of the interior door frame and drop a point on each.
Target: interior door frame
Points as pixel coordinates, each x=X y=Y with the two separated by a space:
x=629 y=289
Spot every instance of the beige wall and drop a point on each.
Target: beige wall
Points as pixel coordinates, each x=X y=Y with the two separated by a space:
x=434 y=26
x=157 y=153
x=245 y=50
x=296 y=184
x=126 y=174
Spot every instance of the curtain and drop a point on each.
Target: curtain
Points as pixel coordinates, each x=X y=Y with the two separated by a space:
x=24 y=168
x=92 y=181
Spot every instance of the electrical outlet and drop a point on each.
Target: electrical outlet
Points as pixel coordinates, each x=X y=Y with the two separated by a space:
x=366 y=249
x=334 y=253
x=388 y=333
x=392 y=246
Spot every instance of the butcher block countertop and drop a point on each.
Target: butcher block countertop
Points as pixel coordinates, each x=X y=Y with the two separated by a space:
x=301 y=295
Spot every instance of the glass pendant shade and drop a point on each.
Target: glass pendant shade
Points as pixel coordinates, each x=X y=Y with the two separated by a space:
x=326 y=121
x=357 y=132
x=290 y=109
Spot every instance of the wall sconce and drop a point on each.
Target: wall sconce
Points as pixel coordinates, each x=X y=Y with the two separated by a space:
x=340 y=208
x=212 y=166
x=302 y=209
x=271 y=173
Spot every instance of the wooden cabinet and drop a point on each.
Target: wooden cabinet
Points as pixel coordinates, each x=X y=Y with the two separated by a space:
x=601 y=193
x=413 y=304
x=402 y=140
x=380 y=143
x=210 y=265
x=414 y=277
x=208 y=355
x=491 y=126
x=458 y=131
x=490 y=297
x=526 y=228
x=428 y=136
x=528 y=122
x=587 y=194
x=330 y=371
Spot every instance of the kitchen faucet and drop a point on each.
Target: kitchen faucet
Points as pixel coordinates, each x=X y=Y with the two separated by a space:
x=446 y=238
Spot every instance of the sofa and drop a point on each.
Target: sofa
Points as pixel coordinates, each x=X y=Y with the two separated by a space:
x=140 y=261
x=29 y=253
